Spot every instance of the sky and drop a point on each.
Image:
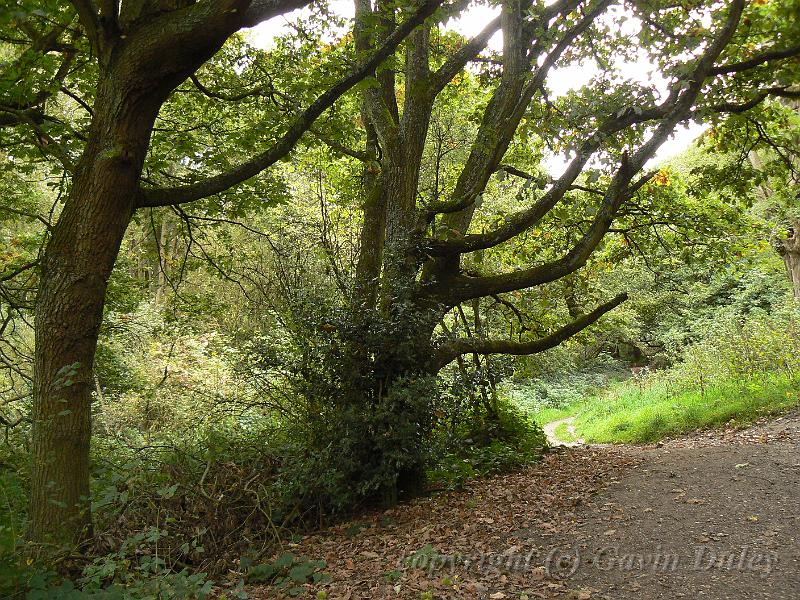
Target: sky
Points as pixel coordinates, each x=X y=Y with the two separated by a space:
x=560 y=81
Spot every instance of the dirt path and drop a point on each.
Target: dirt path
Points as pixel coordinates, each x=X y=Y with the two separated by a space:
x=713 y=516
x=703 y=517
x=552 y=435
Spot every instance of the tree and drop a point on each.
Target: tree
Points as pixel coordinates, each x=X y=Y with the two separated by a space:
x=132 y=55
x=766 y=143
x=419 y=242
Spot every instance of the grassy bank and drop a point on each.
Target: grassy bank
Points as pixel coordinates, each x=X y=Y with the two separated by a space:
x=743 y=369
x=644 y=412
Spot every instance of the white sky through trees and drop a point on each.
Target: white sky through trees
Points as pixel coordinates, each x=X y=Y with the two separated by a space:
x=561 y=80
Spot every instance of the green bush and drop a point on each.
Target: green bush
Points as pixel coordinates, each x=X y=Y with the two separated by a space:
x=504 y=441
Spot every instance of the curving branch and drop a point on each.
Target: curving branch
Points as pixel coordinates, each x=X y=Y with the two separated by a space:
x=442 y=76
x=452 y=350
x=756 y=61
x=224 y=181
x=339 y=147
x=460 y=288
x=8 y=276
x=10 y=117
x=742 y=107
x=258 y=91
x=519 y=222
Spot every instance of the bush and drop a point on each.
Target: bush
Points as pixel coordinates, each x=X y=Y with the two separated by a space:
x=505 y=441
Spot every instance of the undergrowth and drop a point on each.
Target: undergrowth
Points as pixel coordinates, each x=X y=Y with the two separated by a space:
x=743 y=369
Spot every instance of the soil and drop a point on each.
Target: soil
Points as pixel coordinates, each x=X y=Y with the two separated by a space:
x=714 y=516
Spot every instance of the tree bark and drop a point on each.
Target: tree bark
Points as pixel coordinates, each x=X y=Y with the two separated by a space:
x=69 y=310
x=790 y=250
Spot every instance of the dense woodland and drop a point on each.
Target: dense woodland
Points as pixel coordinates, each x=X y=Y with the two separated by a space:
x=249 y=291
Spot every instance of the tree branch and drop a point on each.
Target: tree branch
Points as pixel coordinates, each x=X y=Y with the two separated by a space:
x=87 y=13
x=18 y=270
x=501 y=118
x=757 y=60
x=734 y=108
x=220 y=183
x=462 y=56
x=10 y=117
x=339 y=147
x=449 y=352
x=259 y=91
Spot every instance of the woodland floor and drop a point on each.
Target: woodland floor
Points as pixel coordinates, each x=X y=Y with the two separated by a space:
x=713 y=516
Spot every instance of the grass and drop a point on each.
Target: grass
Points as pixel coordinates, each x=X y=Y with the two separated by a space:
x=642 y=412
x=550 y=414
x=562 y=433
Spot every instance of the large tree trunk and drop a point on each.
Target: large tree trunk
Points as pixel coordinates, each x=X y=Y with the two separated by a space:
x=69 y=310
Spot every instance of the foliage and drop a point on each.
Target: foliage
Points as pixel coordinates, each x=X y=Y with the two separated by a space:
x=353 y=430
x=565 y=383
x=502 y=441
x=244 y=392
x=741 y=370
x=288 y=572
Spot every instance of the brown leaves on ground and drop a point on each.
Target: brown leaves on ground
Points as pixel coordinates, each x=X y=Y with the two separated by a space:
x=533 y=534
x=492 y=540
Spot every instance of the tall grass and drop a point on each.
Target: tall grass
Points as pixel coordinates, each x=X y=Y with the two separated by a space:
x=740 y=370
x=629 y=415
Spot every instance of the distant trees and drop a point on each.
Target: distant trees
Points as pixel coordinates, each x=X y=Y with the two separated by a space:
x=766 y=141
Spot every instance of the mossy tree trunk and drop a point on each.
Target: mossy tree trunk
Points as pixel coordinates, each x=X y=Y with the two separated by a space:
x=69 y=310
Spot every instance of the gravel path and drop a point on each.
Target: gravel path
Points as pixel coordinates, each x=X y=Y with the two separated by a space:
x=714 y=517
